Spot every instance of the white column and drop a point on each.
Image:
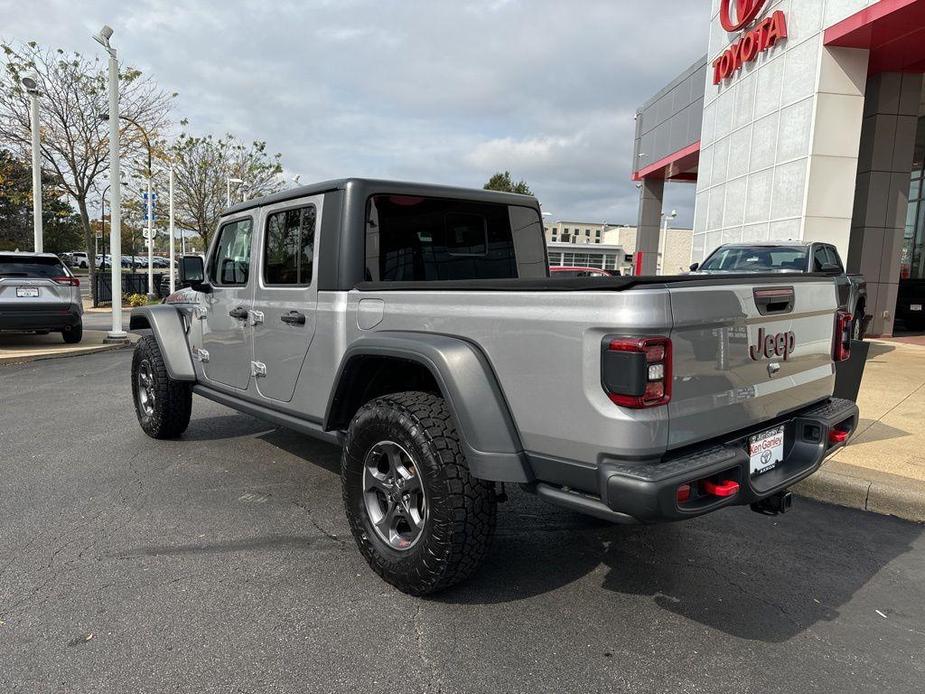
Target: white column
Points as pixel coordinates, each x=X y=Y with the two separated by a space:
x=115 y=201
x=172 y=245
x=150 y=237
x=36 y=176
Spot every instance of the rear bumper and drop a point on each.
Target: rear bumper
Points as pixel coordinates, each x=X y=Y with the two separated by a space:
x=648 y=492
x=40 y=317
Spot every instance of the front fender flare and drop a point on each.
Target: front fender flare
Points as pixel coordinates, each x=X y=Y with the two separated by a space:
x=166 y=322
x=467 y=382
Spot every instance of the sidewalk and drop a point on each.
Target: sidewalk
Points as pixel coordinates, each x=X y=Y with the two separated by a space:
x=15 y=349
x=883 y=467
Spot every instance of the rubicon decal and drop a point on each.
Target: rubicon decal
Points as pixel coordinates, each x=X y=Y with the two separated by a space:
x=745 y=12
x=764 y=36
x=777 y=345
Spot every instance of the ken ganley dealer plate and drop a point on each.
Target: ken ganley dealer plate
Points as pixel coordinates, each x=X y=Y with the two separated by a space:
x=766 y=450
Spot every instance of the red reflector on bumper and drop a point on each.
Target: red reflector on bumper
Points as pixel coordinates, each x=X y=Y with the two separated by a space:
x=724 y=488
x=838 y=436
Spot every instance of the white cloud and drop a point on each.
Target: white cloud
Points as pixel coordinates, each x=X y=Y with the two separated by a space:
x=432 y=90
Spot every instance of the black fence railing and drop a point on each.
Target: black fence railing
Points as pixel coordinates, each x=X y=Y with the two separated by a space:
x=132 y=283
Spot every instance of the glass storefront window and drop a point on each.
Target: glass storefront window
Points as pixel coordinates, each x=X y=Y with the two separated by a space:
x=912 y=262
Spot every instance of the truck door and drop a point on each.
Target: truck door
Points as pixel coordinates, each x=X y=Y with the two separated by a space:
x=285 y=295
x=225 y=331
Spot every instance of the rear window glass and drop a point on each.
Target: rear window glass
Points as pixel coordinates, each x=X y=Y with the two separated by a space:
x=13 y=266
x=413 y=239
x=756 y=259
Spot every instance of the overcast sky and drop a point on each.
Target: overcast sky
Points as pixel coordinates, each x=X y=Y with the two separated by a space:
x=443 y=91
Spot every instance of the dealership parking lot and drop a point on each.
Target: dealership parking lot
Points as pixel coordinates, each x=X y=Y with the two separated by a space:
x=222 y=562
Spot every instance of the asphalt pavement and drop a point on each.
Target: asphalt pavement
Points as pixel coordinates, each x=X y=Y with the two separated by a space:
x=222 y=562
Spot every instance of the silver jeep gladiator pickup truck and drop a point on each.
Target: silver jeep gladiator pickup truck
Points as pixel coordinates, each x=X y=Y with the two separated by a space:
x=417 y=326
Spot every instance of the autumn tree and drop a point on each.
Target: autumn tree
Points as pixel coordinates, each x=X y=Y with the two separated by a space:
x=60 y=222
x=75 y=141
x=202 y=167
x=504 y=183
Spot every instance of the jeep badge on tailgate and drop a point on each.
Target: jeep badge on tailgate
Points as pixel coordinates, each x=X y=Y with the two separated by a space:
x=780 y=344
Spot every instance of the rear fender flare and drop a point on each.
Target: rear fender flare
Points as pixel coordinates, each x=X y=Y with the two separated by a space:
x=466 y=381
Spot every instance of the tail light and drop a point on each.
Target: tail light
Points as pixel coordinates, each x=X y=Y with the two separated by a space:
x=842 y=349
x=65 y=279
x=636 y=371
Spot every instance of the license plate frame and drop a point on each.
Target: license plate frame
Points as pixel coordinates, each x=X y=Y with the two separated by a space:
x=766 y=450
x=27 y=292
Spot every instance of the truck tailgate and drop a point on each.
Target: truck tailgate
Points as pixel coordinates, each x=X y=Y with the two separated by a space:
x=743 y=356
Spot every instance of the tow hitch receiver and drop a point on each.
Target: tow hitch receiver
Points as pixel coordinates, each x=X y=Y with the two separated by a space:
x=774 y=505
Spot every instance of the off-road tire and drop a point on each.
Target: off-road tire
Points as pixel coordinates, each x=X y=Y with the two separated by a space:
x=173 y=400
x=74 y=335
x=857 y=329
x=462 y=510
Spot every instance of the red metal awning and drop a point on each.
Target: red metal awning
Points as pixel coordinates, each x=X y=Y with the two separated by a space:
x=892 y=30
x=679 y=166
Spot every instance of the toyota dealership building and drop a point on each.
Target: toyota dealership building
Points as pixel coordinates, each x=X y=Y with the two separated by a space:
x=803 y=121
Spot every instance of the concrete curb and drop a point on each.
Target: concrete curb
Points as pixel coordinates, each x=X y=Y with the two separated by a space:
x=890 y=495
x=64 y=352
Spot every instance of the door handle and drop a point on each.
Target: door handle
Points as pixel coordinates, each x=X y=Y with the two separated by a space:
x=293 y=318
x=240 y=313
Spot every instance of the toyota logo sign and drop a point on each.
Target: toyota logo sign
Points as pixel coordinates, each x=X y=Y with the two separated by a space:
x=745 y=12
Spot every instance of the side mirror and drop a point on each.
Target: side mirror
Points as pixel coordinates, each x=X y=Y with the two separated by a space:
x=694 y=267
x=192 y=274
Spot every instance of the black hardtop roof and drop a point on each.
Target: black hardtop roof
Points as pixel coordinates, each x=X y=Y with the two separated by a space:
x=371 y=186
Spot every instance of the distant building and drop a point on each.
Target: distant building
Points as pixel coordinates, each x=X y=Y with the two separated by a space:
x=596 y=255
x=617 y=245
x=674 y=252
x=577 y=232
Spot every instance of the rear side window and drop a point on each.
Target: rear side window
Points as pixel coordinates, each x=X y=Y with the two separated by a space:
x=415 y=239
x=231 y=261
x=14 y=266
x=289 y=250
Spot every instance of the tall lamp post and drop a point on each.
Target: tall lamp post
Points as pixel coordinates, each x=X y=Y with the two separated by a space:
x=117 y=334
x=228 y=183
x=173 y=246
x=103 y=227
x=663 y=239
x=31 y=85
x=149 y=202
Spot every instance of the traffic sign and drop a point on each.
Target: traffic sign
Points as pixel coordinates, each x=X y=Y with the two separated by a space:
x=144 y=233
x=144 y=201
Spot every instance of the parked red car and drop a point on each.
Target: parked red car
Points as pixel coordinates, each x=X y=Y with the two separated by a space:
x=579 y=272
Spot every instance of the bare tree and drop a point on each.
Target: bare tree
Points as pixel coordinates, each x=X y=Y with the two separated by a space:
x=203 y=166
x=75 y=142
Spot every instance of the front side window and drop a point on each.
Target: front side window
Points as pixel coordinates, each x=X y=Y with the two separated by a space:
x=289 y=249
x=231 y=261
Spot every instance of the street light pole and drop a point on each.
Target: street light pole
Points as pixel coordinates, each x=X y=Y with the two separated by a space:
x=172 y=243
x=30 y=82
x=117 y=334
x=36 y=175
x=228 y=182
x=150 y=202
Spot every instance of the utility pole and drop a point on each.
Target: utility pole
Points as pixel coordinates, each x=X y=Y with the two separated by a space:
x=172 y=243
x=117 y=334
x=30 y=82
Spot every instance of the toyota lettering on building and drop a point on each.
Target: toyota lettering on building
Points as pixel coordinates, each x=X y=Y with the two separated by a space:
x=800 y=122
x=764 y=36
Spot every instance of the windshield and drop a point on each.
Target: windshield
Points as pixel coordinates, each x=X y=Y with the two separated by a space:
x=756 y=259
